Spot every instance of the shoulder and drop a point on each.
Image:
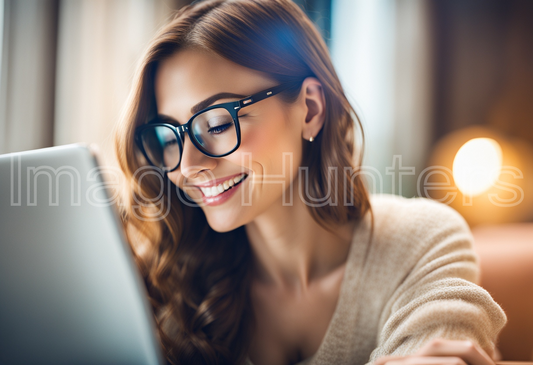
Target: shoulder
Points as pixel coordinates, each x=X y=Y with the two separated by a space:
x=413 y=210
x=416 y=217
x=410 y=232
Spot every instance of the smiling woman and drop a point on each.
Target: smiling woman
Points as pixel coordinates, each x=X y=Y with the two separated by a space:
x=263 y=132
x=250 y=222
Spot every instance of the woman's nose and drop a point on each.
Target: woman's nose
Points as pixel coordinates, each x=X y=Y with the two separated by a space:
x=193 y=161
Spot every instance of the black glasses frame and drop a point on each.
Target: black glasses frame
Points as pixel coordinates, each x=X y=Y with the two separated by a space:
x=232 y=107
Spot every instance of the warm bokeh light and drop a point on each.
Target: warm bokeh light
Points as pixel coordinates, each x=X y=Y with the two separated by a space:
x=477 y=165
x=483 y=174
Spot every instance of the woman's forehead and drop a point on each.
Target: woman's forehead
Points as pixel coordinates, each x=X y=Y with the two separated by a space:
x=192 y=75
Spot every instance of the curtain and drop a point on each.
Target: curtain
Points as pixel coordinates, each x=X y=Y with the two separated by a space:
x=67 y=65
x=381 y=49
x=27 y=74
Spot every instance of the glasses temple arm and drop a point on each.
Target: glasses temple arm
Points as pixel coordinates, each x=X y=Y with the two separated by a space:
x=265 y=94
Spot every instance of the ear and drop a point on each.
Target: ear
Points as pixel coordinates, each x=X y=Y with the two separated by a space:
x=315 y=104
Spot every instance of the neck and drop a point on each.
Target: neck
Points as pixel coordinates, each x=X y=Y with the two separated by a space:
x=291 y=250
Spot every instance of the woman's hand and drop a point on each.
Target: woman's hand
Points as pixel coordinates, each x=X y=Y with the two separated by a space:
x=441 y=352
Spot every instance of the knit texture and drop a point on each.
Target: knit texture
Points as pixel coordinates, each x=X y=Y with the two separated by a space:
x=415 y=280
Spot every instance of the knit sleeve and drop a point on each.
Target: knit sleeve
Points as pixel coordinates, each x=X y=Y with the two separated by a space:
x=438 y=297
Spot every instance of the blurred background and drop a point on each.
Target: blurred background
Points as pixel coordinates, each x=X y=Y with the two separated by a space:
x=444 y=89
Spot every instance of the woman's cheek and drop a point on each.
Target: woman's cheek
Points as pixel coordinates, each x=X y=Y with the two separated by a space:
x=257 y=141
x=268 y=138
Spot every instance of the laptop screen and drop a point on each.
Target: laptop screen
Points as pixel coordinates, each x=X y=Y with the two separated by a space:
x=70 y=292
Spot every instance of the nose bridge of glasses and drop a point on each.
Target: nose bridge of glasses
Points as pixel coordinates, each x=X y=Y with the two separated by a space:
x=182 y=129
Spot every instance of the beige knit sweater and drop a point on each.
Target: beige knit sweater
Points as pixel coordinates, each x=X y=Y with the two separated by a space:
x=413 y=282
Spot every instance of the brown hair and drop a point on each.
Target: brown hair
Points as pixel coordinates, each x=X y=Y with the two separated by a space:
x=198 y=280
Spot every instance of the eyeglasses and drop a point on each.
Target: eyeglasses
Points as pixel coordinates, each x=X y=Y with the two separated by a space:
x=214 y=131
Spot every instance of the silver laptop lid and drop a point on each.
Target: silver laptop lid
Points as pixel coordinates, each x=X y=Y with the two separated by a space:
x=69 y=290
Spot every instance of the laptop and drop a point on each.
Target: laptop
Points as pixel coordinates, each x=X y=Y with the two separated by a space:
x=70 y=292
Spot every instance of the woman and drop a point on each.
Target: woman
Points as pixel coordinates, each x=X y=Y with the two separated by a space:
x=256 y=237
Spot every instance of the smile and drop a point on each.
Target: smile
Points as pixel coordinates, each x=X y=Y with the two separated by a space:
x=215 y=190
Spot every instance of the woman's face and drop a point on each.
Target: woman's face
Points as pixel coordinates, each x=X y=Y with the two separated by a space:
x=259 y=174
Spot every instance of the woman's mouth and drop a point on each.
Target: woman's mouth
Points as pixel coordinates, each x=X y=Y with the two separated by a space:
x=222 y=187
x=218 y=194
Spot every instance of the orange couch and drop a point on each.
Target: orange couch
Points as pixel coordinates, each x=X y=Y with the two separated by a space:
x=506 y=257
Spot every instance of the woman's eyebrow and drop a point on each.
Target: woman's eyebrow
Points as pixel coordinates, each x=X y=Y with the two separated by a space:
x=210 y=100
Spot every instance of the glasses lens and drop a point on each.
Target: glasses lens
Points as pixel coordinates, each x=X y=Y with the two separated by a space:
x=162 y=147
x=215 y=131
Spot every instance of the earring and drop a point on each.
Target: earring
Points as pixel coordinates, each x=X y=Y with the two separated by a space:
x=311 y=139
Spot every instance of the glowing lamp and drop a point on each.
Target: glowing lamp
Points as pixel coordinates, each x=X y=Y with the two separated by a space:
x=477 y=165
x=485 y=176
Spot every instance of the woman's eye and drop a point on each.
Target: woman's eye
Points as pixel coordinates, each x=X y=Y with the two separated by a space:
x=219 y=128
x=170 y=142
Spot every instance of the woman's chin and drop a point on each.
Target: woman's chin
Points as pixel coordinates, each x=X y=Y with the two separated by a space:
x=222 y=224
x=224 y=220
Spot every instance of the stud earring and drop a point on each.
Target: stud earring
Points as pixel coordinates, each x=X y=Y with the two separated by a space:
x=311 y=139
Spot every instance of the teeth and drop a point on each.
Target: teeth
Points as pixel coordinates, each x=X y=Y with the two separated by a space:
x=220 y=188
